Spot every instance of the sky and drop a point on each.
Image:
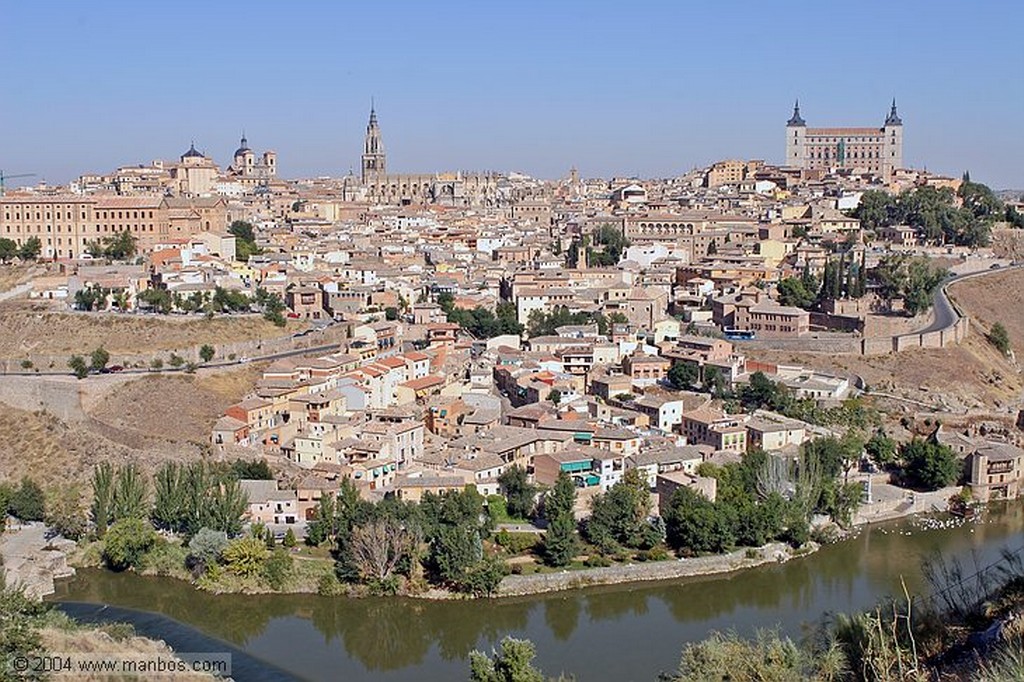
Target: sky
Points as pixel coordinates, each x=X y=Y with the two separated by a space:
x=647 y=89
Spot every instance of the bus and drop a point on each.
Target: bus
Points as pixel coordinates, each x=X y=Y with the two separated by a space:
x=734 y=334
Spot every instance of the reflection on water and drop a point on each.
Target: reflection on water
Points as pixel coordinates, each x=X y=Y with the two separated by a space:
x=623 y=632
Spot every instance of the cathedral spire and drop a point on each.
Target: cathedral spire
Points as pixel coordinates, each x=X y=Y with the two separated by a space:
x=374 y=162
x=796 y=119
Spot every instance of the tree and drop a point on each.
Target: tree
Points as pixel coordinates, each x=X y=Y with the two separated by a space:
x=170 y=502
x=512 y=663
x=125 y=543
x=928 y=465
x=999 y=338
x=251 y=469
x=176 y=360
x=277 y=568
x=518 y=491
x=128 y=500
x=27 y=503
x=8 y=249
x=560 y=541
x=693 y=522
x=120 y=246
x=794 y=291
x=102 y=491
x=245 y=240
x=483 y=577
x=154 y=297
x=227 y=504
x=555 y=396
x=682 y=375
x=561 y=499
x=98 y=360
x=64 y=512
x=78 y=366
x=289 y=540
x=391 y=313
x=881 y=448
x=454 y=550
x=380 y=546
x=619 y=516
x=206 y=352
x=31 y=249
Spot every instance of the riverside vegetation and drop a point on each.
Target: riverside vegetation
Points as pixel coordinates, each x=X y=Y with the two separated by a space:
x=971 y=627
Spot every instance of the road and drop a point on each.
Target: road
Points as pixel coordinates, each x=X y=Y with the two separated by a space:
x=944 y=312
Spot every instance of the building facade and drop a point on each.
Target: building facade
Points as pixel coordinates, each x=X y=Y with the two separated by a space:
x=865 y=150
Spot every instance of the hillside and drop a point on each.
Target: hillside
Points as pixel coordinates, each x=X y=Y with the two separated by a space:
x=50 y=333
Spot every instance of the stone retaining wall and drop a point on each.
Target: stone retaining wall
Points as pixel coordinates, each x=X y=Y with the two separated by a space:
x=520 y=585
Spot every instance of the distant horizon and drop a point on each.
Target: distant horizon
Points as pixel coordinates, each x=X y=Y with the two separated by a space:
x=537 y=88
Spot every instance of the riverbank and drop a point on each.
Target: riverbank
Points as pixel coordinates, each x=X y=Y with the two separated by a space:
x=741 y=559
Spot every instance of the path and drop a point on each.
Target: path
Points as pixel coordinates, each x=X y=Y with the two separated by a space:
x=32 y=559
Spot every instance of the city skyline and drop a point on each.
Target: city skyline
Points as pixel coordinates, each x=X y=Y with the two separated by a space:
x=495 y=90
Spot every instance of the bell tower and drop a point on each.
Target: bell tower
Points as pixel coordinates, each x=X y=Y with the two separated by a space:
x=374 y=159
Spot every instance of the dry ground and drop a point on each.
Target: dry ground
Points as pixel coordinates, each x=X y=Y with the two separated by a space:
x=970 y=375
x=25 y=332
x=997 y=297
x=13 y=275
x=147 y=420
x=174 y=407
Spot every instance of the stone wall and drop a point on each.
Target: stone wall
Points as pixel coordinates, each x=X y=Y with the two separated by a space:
x=519 y=585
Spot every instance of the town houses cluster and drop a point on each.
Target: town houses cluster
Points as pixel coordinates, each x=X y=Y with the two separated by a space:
x=482 y=320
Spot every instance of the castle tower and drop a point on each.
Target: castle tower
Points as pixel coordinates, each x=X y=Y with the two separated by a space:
x=893 y=131
x=796 y=138
x=374 y=159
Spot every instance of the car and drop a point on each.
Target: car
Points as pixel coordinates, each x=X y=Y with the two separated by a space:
x=115 y=368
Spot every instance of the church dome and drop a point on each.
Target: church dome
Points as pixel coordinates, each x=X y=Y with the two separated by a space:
x=192 y=153
x=243 y=147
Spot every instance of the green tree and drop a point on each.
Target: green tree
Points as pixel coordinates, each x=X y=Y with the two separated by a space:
x=277 y=568
x=483 y=577
x=694 y=523
x=561 y=543
x=126 y=542
x=129 y=496
x=518 y=491
x=120 y=246
x=454 y=550
x=682 y=375
x=391 y=313
x=245 y=240
x=251 y=469
x=156 y=298
x=30 y=249
x=999 y=338
x=206 y=352
x=78 y=366
x=226 y=506
x=27 y=503
x=881 y=449
x=64 y=512
x=555 y=396
x=511 y=663
x=98 y=360
x=794 y=291
x=619 y=517
x=102 y=494
x=170 y=503
x=8 y=249
x=289 y=540
x=928 y=465
x=176 y=360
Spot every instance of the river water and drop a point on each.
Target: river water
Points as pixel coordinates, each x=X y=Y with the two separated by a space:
x=615 y=633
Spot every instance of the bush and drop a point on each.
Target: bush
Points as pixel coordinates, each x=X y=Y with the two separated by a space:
x=515 y=543
x=289 y=540
x=26 y=364
x=126 y=542
x=206 y=352
x=329 y=586
x=277 y=569
x=164 y=558
x=78 y=366
x=27 y=502
x=597 y=561
x=176 y=360
x=246 y=556
x=207 y=546
x=999 y=338
x=156 y=363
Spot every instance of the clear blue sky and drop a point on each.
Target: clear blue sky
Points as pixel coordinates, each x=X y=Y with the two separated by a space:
x=645 y=88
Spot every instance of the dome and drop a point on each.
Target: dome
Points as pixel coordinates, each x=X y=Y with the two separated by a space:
x=192 y=153
x=243 y=147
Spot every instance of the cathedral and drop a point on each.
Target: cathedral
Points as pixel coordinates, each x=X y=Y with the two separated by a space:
x=446 y=189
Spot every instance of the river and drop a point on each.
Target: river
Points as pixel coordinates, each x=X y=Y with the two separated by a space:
x=607 y=633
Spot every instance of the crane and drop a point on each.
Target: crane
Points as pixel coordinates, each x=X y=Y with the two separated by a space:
x=4 y=178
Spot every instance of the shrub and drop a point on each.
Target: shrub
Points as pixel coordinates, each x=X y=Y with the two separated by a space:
x=207 y=546
x=329 y=586
x=126 y=542
x=515 y=543
x=26 y=364
x=176 y=360
x=277 y=569
x=246 y=556
x=27 y=502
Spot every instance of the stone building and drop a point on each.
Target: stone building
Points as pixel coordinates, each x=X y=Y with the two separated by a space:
x=863 y=150
x=446 y=189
